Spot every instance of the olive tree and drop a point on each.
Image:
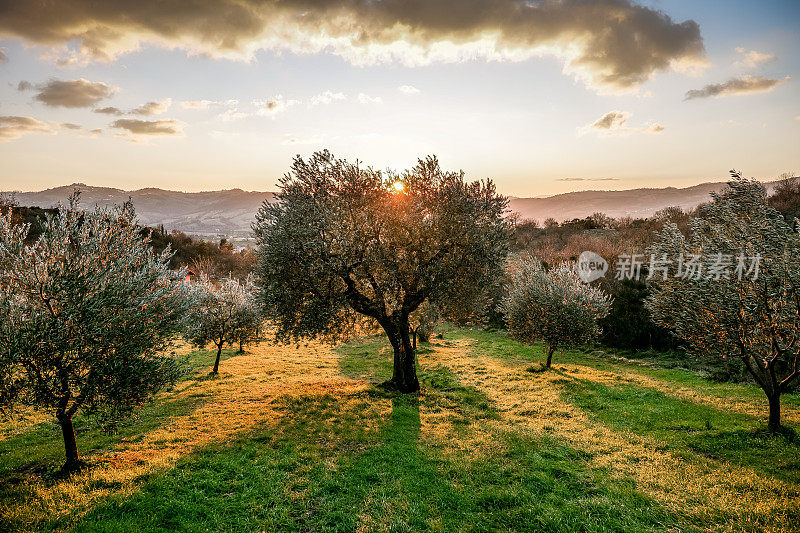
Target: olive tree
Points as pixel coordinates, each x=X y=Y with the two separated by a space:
x=248 y=329
x=741 y=296
x=86 y=312
x=342 y=242
x=553 y=306
x=222 y=315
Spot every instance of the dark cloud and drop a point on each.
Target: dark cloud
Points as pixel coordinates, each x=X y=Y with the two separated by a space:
x=743 y=85
x=611 y=43
x=25 y=86
x=73 y=93
x=3 y=56
x=15 y=127
x=71 y=126
x=149 y=127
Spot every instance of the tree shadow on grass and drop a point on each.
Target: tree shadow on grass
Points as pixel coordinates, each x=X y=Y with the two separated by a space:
x=686 y=426
x=34 y=457
x=342 y=463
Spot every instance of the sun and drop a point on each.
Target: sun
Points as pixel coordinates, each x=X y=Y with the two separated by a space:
x=398 y=186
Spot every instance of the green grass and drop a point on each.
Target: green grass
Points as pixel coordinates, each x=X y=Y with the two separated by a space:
x=323 y=470
x=41 y=448
x=449 y=459
x=688 y=427
x=502 y=346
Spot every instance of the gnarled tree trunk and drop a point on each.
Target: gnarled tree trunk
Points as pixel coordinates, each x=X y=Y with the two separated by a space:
x=550 y=350
x=404 y=374
x=216 y=361
x=70 y=445
x=774 y=412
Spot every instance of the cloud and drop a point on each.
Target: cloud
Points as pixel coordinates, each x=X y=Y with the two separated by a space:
x=74 y=93
x=752 y=59
x=71 y=126
x=614 y=123
x=25 y=86
x=272 y=106
x=206 y=104
x=587 y=179
x=12 y=128
x=3 y=56
x=613 y=44
x=611 y=120
x=367 y=99
x=408 y=89
x=152 y=108
x=743 y=85
x=149 y=127
x=325 y=98
x=232 y=114
x=109 y=111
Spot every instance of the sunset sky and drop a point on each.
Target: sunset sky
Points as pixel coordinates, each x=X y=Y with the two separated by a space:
x=544 y=97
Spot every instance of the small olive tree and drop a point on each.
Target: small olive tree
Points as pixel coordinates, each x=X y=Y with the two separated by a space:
x=86 y=313
x=553 y=306
x=342 y=241
x=741 y=297
x=222 y=315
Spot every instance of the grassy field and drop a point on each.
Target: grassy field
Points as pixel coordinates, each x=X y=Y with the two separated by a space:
x=299 y=438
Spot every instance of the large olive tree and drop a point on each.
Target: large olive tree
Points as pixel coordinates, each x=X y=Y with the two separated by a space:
x=343 y=241
x=86 y=312
x=741 y=295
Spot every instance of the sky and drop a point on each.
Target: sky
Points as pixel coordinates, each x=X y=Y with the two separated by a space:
x=543 y=97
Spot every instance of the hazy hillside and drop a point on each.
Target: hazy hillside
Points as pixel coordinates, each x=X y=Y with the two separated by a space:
x=638 y=203
x=230 y=212
x=227 y=212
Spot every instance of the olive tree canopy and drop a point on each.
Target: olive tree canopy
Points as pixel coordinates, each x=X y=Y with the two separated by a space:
x=342 y=241
x=553 y=306
x=85 y=314
x=742 y=298
x=222 y=314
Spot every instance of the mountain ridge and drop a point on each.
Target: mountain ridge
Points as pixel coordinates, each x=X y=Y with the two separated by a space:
x=231 y=211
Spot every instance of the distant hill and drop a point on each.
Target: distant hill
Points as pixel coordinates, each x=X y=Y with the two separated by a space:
x=230 y=212
x=636 y=203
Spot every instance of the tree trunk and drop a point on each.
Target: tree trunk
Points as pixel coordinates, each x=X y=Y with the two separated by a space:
x=241 y=347
x=404 y=374
x=550 y=350
x=414 y=338
x=774 y=411
x=216 y=363
x=70 y=446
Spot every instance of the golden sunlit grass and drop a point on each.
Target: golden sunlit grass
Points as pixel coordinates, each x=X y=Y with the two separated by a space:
x=239 y=399
x=483 y=437
x=702 y=488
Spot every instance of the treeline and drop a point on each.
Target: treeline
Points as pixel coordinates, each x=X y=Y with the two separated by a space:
x=629 y=325
x=215 y=260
